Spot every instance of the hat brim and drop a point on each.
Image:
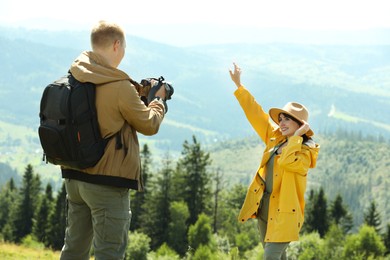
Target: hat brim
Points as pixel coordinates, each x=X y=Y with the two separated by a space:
x=274 y=114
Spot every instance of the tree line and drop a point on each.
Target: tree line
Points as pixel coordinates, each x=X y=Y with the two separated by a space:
x=30 y=211
x=188 y=212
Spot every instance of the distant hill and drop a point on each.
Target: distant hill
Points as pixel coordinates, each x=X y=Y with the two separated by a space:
x=345 y=87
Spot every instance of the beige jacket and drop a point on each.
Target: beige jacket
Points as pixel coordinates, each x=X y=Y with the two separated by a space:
x=119 y=108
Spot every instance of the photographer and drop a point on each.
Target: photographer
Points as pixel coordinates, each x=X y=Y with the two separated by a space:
x=98 y=197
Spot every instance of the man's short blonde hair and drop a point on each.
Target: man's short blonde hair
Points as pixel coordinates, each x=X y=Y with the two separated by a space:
x=105 y=33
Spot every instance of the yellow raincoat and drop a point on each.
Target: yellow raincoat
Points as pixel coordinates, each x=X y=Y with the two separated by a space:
x=287 y=204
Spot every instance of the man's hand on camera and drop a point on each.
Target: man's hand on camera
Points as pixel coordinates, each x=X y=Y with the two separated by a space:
x=161 y=93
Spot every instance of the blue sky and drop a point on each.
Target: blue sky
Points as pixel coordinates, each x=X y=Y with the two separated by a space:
x=201 y=20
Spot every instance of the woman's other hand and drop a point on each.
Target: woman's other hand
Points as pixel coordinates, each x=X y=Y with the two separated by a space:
x=302 y=129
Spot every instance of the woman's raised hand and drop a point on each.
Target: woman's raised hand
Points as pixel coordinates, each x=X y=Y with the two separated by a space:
x=236 y=75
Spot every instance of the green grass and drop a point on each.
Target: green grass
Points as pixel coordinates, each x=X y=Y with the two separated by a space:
x=348 y=118
x=190 y=127
x=12 y=252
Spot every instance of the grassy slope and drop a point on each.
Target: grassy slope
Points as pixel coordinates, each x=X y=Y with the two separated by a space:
x=20 y=146
x=12 y=251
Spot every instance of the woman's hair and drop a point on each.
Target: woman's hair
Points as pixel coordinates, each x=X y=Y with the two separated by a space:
x=304 y=136
x=292 y=118
x=105 y=33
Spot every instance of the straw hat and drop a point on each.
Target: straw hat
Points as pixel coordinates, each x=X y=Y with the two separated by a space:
x=293 y=109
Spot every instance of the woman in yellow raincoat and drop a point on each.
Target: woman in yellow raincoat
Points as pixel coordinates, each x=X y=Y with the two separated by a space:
x=276 y=194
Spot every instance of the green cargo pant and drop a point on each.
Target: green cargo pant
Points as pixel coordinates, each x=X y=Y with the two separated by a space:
x=96 y=213
x=272 y=251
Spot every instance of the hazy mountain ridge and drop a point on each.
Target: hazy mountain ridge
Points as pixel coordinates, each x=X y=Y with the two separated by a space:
x=344 y=87
x=322 y=77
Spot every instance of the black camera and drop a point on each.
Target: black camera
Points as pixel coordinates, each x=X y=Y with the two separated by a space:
x=149 y=86
x=152 y=85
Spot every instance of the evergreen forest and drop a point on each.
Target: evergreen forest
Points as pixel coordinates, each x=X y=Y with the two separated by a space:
x=189 y=210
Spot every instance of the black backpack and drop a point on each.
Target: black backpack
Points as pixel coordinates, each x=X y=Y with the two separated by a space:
x=69 y=130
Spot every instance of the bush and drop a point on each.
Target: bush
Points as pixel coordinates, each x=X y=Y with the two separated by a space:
x=222 y=242
x=309 y=247
x=234 y=253
x=256 y=253
x=334 y=243
x=244 y=242
x=30 y=242
x=364 y=245
x=164 y=253
x=138 y=247
x=204 y=253
x=201 y=234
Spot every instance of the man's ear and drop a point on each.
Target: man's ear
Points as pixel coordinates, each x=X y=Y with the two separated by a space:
x=117 y=44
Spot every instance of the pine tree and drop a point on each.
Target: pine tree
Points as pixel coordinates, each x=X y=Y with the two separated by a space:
x=42 y=222
x=218 y=189
x=386 y=239
x=8 y=196
x=372 y=217
x=12 y=185
x=230 y=203
x=156 y=213
x=57 y=220
x=138 y=198
x=177 y=229
x=337 y=209
x=194 y=181
x=200 y=233
x=27 y=204
x=340 y=214
x=321 y=212
x=346 y=223
x=316 y=216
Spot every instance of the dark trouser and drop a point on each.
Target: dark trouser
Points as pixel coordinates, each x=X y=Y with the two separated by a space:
x=96 y=213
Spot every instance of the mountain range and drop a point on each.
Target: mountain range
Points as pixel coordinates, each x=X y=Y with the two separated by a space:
x=345 y=87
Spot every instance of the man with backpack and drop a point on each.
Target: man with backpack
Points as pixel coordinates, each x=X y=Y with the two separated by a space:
x=98 y=196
